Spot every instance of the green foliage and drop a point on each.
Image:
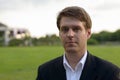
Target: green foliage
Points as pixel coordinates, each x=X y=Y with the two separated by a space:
x=97 y=38
x=15 y=42
x=20 y=42
x=1 y=38
x=92 y=41
x=105 y=36
x=1 y=33
x=1 y=41
x=47 y=40
x=116 y=36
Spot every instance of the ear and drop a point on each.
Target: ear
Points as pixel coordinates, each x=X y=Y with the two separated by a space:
x=88 y=33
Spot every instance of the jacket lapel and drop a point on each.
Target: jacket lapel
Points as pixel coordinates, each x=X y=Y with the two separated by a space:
x=60 y=69
x=89 y=70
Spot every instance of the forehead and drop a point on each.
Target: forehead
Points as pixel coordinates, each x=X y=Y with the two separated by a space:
x=70 y=21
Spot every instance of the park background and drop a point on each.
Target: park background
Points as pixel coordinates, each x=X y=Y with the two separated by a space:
x=29 y=36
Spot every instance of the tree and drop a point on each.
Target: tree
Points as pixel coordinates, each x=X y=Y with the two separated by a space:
x=116 y=36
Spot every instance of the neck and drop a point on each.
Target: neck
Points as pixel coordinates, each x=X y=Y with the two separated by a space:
x=74 y=58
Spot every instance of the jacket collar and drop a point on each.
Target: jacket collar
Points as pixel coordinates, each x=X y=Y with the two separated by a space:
x=89 y=70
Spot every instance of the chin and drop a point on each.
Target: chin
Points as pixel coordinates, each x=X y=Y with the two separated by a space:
x=71 y=50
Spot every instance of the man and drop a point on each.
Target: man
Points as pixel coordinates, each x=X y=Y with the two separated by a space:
x=77 y=63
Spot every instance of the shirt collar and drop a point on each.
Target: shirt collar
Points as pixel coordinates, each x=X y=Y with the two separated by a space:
x=81 y=62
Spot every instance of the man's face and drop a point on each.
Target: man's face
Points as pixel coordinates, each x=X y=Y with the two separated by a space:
x=73 y=34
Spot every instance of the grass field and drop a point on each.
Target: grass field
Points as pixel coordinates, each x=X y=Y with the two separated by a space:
x=21 y=63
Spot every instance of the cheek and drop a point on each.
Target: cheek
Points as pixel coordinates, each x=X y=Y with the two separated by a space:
x=82 y=37
x=62 y=37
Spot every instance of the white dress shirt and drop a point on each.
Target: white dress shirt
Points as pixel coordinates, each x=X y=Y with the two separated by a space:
x=74 y=74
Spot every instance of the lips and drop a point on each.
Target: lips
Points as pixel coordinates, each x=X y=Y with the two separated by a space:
x=70 y=42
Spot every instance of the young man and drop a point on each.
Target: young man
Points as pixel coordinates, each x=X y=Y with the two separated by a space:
x=77 y=63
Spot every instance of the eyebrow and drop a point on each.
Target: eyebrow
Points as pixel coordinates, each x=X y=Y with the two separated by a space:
x=74 y=26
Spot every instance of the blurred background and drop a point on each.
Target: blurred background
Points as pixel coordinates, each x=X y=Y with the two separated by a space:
x=29 y=35
x=37 y=18
x=33 y=19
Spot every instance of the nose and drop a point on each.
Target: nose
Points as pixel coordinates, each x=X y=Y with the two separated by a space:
x=70 y=33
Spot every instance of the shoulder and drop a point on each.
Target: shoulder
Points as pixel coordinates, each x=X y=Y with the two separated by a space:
x=106 y=68
x=52 y=70
x=51 y=64
x=104 y=64
x=99 y=62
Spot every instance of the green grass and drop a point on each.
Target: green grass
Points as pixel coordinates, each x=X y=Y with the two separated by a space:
x=109 y=53
x=21 y=63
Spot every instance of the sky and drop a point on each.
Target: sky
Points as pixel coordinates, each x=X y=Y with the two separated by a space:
x=39 y=16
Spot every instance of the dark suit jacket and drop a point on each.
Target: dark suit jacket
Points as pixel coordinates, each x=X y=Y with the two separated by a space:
x=94 y=69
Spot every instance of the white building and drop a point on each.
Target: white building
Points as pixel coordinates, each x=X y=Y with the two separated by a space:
x=7 y=34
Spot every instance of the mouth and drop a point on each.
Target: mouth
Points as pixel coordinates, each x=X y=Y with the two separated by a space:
x=71 y=43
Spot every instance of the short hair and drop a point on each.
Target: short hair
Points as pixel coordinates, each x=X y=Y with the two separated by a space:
x=75 y=12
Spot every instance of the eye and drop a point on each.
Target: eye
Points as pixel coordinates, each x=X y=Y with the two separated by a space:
x=64 y=29
x=76 y=29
